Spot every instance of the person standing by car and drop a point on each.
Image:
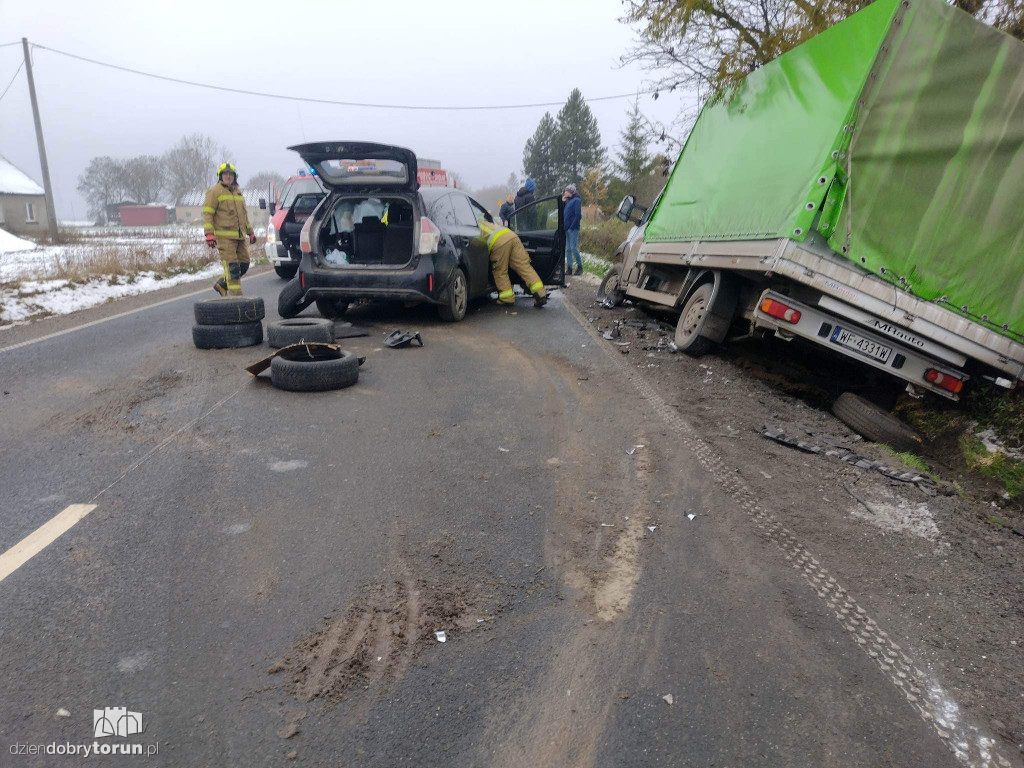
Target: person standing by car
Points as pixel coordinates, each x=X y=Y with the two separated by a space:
x=506 y=250
x=525 y=194
x=573 y=215
x=227 y=227
x=505 y=212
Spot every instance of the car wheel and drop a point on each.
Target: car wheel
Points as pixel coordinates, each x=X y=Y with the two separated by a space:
x=691 y=323
x=287 y=271
x=331 y=308
x=314 y=369
x=874 y=423
x=609 y=292
x=281 y=333
x=230 y=336
x=456 y=299
x=228 y=310
x=291 y=300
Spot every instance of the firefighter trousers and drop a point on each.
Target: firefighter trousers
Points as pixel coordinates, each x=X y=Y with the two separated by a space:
x=234 y=257
x=509 y=252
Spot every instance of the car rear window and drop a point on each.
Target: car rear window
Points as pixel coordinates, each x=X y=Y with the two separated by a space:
x=372 y=171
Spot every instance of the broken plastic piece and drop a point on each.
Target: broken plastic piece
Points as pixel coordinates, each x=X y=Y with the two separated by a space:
x=607 y=525
x=691 y=516
x=402 y=339
x=503 y=450
x=651 y=528
x=441 y=637
x=63 y=713
x=667 y=698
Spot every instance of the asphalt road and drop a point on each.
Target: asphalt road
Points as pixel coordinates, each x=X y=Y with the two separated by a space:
x=264 y=572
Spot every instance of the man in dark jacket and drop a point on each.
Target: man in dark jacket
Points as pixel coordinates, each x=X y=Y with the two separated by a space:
x=573 y=215
x=507 y=207
x=525 y=194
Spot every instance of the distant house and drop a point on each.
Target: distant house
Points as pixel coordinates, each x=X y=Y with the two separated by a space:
x=142 y=215
x=190 y=209
x=22 y=202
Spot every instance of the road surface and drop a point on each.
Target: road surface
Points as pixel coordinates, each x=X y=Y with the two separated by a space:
x=263 y=573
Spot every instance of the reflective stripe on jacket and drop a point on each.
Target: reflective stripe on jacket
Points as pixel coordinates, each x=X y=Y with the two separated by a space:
x=224 y=213
x=494 y=233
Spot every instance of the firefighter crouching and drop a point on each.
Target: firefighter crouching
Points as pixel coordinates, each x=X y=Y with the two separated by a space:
x=506 y=250
x=227 y=228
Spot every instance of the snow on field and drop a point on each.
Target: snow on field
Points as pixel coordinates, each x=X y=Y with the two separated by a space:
x=12 y=244
x=59 y=297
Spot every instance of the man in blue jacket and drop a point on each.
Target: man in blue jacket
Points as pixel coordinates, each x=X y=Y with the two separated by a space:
x=573 y=216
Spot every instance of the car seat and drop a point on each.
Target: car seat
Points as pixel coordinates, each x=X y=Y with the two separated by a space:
x=368 y=241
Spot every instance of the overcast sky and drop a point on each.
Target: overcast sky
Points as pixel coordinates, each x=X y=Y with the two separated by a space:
x=419 y=53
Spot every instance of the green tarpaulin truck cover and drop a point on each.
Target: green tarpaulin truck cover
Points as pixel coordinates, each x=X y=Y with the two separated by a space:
x=897 y=134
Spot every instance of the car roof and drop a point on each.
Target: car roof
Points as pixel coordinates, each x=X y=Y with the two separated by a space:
x=430 y=194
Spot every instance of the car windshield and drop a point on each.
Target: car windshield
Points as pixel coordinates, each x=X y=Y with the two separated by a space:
x=308 y=185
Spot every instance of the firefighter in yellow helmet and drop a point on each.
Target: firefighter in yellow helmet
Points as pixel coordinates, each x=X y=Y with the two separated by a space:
x=506 y=250
x=227 y=227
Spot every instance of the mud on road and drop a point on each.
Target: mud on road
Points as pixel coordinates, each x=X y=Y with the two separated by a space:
x=923 y=558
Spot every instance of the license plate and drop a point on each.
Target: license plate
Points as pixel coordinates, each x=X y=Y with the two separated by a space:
x=867 y=347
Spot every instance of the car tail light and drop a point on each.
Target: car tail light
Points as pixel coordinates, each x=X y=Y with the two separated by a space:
x=304 y=245
x=947 y=381
x=780 y=310
x=430 y=236
x=430 y=283
x=302 y=280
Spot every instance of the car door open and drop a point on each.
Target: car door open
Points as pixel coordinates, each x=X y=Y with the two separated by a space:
x=541 y=228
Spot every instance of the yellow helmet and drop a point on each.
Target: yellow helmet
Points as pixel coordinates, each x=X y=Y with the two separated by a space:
x=226 y=167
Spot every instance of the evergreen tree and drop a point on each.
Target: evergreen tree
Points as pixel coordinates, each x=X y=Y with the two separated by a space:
x=577 y=141
x=539 y=156
x=633 y=159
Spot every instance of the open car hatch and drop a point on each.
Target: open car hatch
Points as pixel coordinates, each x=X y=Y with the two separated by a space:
x=355 y=165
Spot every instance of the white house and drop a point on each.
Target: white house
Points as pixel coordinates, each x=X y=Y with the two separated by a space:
x=22 y=202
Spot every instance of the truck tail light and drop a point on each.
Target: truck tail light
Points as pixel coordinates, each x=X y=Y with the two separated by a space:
x=304 y=245
x=946 y=381
x=780 y=310
x=430 y=236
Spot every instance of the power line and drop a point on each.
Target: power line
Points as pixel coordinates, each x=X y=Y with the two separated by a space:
x=16 y=42
x=20 y=66
x=309 y=100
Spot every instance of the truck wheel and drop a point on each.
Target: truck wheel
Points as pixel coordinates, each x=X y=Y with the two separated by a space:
x=456 y=299
x=227 y=336
x=314 y=369
x=691 y=323
x=281 y=333
x=331 y=308
x=609 y=292
x=291 y=301
x=287 y=271
x=875 y=424
x=229 y=310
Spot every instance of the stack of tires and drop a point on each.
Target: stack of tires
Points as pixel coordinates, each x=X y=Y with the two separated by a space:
x=228 y=322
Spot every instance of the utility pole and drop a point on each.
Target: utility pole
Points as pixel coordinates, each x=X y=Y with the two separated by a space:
x=51 y=213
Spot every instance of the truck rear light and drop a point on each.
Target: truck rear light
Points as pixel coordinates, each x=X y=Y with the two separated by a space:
x=780 y=310
x=946 y=381
x=304 y=245
x=430 y=236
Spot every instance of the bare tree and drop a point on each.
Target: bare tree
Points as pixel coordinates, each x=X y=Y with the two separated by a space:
x=261 y=180
x=143 y=178
x=192 y=164
x=102 y=184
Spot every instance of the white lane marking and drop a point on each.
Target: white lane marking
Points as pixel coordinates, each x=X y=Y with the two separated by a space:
x=41 y=537
x=119 y=315
x=971 y=745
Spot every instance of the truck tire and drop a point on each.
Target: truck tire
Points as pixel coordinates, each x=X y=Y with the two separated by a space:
x=314 y=370
x=878 y=426
x=609 y=292
x=456 y=299
x=290 y=300
x=229 y=310
x=227 y=336
x=691 y=323
x=331 y=308
x=281 y=333
x=287 y=271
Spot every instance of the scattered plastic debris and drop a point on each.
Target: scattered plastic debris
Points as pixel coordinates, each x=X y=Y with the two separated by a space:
x=651 y=528
x=62 y=713
x=765 y=474
x=397 y=339
x=691 y=516
x=607 y=525
x=441 y=636
x=634 y=449
x=503 y=450
x=667 y=698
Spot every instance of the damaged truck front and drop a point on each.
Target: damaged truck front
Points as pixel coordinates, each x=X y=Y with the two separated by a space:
x=861 y=192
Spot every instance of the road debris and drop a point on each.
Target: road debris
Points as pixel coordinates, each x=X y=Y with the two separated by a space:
x=62 y=713
x=607 y=525
x=633 y=450
x=503 y=450
x=441 y=636
x=691 y=516
x=667 y=698
x=397 y=339
x=651 y=528
x=765 y=474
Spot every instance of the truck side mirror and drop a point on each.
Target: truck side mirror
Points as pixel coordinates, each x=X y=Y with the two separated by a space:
x=626 y=208
x=273 y=208
x=263 y=204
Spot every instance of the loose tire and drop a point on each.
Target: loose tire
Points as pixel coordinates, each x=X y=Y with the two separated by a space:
x=874 y=423
x=281 y=333
x=691 y=323
x=287 y=271
x=291 y=301
x=229 y=310
x=456 y=299
x=609 y=290
x=314 y=370
x=227 y=336
x=331 y=308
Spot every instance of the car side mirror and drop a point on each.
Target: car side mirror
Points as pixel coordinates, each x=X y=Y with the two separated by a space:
x=263 y=204
x=273 y=208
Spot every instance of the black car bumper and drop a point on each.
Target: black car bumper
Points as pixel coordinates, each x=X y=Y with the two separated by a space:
x=412 y=283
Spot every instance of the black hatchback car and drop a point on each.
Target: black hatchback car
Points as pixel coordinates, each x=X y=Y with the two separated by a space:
x=379 y=235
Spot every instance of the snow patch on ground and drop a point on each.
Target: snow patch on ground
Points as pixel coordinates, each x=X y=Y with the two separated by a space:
x=12 y=244
x=59 y=297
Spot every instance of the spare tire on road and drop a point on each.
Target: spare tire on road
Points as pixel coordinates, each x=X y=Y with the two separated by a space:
x=228 y=310
x=314 y=369
x=230 y=336
x=874 y=423
x=290 y=300
x=282 y=333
